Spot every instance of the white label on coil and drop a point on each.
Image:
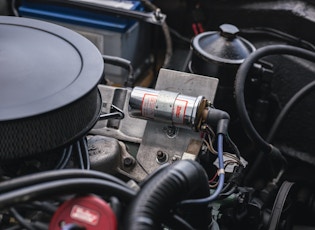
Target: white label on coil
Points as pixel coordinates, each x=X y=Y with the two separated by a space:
x=148 y=105
x=179 y=111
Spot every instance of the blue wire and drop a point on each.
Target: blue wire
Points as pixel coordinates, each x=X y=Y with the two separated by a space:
x=72 y=227
x=217 y=192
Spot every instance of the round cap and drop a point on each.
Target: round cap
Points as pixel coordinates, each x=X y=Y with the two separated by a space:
x=229 y=31
x=88 y=212
x=223 y=46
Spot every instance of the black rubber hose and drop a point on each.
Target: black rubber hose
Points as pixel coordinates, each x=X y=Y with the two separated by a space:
x=182 y=180
x=288 y=106
x=166 y=32
x=240 y=84
x=42 y=177
x=207 y=200
x=219 y=118
x=124 y=63
x=67 y=186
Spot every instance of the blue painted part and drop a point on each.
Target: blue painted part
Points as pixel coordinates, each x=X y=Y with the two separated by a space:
x=78 y=17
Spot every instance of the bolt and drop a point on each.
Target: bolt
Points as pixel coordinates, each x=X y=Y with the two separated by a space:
x=128 y=161
x=158 y=14
x=203 y=127
x=161 y=156
x=241 y=199
x=174 y=159
x=208 y=103
x=171 y=131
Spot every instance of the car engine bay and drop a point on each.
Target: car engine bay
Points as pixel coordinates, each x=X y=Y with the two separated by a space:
x=155 y=114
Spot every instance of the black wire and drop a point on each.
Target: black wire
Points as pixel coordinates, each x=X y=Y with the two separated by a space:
x=288 y=106
x=24 y=181
x=177 y=222
x=67 y=158
x=239 y=90
x=66 y=186
x=40 y=225
x=21 y=219
x=79 y=154
x=226 y=187
x=63 y=157
x=37 y=205
x=280 y=34
x=228 y=193
x=16 y=227
x=45 y=206
x=179 y=36
x=233 y=146
x=86 y=155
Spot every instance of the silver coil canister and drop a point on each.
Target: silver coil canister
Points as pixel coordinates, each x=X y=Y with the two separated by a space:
x=165 y=106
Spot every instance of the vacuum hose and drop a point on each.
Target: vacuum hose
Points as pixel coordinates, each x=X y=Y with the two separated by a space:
x=159 y=195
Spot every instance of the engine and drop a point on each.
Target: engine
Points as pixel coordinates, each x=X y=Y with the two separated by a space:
x=183 y=114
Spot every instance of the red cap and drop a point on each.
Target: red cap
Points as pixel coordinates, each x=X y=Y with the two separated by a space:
x=89 y=212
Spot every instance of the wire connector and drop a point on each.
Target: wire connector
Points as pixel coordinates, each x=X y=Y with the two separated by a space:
x=220 y=171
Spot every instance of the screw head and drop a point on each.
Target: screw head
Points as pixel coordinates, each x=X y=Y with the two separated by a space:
x=128 y=161
x=171 y=131
x=161 y=156
x=174 y=159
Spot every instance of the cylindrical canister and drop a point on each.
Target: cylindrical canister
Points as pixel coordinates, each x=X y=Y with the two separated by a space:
x=219 y=54
x=165 y=106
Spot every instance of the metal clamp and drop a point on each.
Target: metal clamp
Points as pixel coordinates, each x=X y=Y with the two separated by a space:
x=118 y=114
x=155 y=17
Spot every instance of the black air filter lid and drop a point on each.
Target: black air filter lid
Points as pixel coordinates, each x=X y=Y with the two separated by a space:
x=48 y=93
x=43 y=67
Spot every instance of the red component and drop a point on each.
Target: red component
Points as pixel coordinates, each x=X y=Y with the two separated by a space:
x=200 y=28
x=90 y=212
x=197 y=28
